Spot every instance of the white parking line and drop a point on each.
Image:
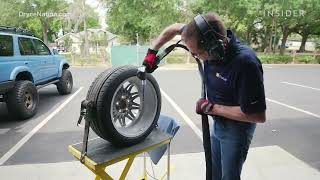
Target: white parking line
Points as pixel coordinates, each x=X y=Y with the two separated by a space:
x=293 y=84
x=199 y=132
x=267 y=66
x=294 y=108
x=183 y=115
x=16 y=147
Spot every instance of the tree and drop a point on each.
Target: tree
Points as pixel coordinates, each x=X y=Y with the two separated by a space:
x=264 y=21
x=67 y=42
x=35 y=15
x=310 y=23
x=80 y=14
x=98 y=39
x=46 y=12
x=240 y=15
x=9 y=11
x=147 y=18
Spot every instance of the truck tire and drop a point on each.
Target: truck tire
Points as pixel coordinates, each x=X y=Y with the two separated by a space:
x=118 y=114
x=22 y=101
x=65 y=84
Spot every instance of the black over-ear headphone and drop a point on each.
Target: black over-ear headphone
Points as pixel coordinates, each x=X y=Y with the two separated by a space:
x=210 y=38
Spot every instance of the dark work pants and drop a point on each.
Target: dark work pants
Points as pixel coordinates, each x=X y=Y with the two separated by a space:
x=230 y=141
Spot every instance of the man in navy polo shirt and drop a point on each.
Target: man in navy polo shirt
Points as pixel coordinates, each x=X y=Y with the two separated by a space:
x=234 y=79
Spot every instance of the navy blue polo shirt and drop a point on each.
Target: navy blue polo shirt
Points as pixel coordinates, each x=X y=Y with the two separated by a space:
x=238 y=81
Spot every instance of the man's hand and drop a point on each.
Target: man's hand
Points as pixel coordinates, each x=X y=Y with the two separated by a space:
x=204 y=106
x=150 y=61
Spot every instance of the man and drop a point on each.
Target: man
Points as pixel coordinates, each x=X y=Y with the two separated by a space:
x=234 y=79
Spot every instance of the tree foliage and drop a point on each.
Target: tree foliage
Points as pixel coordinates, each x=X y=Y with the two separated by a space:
x=262 y=23
x=265 y=22
x=147 y=18
x=53 y=15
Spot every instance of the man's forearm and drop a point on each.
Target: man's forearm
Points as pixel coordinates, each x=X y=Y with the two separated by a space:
x=166 y=35
x=235 y=113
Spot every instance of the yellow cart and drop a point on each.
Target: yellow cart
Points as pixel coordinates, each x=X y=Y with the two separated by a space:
x=102 y=154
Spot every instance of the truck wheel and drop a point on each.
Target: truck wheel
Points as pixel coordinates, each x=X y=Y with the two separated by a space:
x=23 y=100
x=65 y=84
x=119 y=115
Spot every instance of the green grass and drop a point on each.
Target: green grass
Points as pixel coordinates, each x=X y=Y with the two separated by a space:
x=307 y=59
x=266 y=59
x=275 y=59
x=299 y=59
x=317 y=59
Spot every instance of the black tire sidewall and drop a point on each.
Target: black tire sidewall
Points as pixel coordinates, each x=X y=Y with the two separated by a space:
x=62 y=84
x=92 y=96
x=15 y=100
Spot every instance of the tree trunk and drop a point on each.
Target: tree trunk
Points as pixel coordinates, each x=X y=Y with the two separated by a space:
x=275 y=43
x=97 y=47
x=271 y=39
x=45 y=28
x=303 y=42
x=285 y=35
x=86 y=41
x=248 y=36
x=264 y=40
x=270 y=43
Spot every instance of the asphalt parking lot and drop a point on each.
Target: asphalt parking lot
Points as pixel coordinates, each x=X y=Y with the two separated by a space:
x=293 y=118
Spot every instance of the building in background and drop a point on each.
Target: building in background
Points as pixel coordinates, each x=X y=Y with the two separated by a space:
x=99 y=40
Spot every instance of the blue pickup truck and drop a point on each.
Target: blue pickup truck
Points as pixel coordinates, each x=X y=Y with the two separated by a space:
x=27 y=64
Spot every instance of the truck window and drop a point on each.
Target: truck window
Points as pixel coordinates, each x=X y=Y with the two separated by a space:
x=26 y=46
x=41 y=48
x=6 y=45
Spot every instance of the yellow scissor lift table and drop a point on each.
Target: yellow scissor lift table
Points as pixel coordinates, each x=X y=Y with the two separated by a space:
x=101 y=154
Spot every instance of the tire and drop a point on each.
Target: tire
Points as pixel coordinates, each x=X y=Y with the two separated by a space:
x=123 y=121
x=65 y=85
x=22 y=101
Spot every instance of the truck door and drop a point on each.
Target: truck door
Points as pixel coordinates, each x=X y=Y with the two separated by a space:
x=6 y=56
x=43 y=52
x=30 y=59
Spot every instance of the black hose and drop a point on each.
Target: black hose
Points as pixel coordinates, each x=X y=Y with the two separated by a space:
x=205 y=122
x=205 y=128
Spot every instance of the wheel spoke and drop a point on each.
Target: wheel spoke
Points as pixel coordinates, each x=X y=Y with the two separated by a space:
x=135 y=104
x=122 y=121
x=129 y=87
x=116 y=114
x=134 y=107
x=118 y=117
x=115 y=117
x=134 y=93
x=121 y=91
x=130 y=116
x=134 y=96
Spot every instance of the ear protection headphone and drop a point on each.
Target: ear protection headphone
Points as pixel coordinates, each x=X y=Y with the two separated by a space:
x=213 y=45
